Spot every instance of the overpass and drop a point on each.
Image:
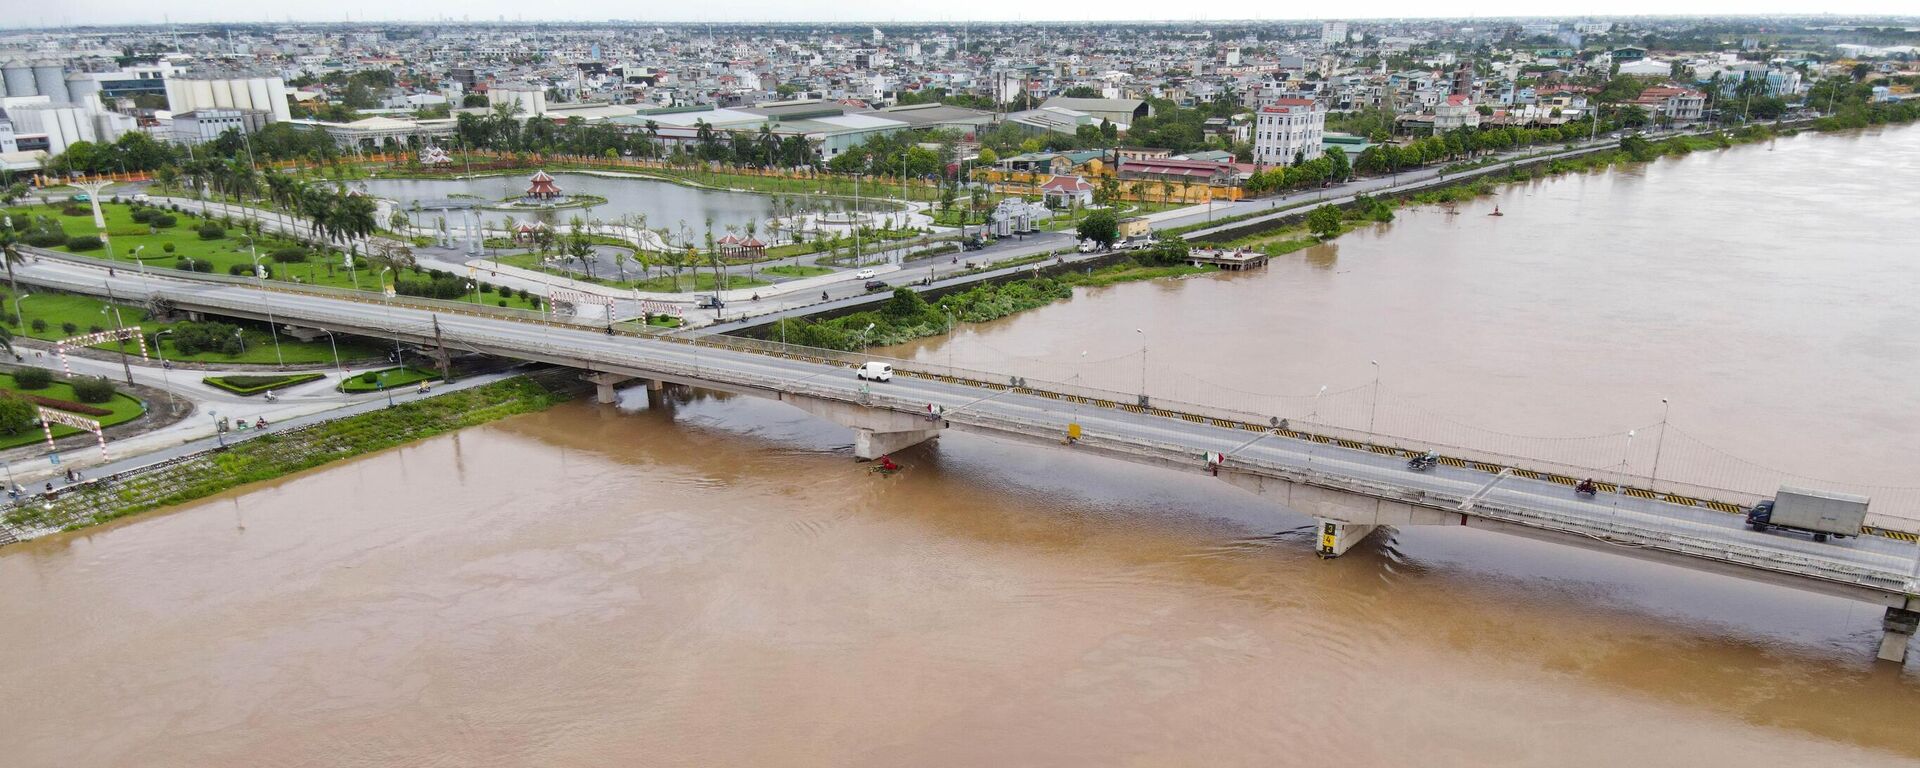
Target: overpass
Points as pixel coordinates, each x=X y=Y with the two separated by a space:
x=1351 y=484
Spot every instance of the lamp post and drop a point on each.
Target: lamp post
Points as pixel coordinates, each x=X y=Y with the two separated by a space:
x=1624 y=454
x=260 y=275
x=1143 y=364
x=17 y=297
x=1314 y=418
x=863 y=337
x=1660 y=442
x=331 y=344
x=385 y=388
x=1373 y=408
x=217 y=434
x=173 y=404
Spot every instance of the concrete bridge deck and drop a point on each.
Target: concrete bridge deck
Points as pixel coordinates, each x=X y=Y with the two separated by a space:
x=1350 y=487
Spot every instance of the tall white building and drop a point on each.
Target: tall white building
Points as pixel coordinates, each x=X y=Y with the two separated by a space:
x=1289 y=128
x=225 y=90
x=1333 y=32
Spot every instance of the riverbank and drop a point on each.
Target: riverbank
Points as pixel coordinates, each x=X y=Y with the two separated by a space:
x=275 y=455
x=908 y=315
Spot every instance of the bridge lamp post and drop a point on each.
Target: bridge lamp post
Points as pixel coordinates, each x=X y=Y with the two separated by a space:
x=1143 y=365
x=1624 y=454
x=863 y=338
x=1373 y=408
x=1661 y=442
x=1315 y=416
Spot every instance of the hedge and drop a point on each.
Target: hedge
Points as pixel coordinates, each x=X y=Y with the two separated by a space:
x=253 y=385
x=85 y=243
x=68 y=405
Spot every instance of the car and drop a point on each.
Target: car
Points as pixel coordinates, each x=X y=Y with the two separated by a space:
x=711 y=302
x=875 y=285
x=865 y=274
x=1089 y=246
x=141 y=198
x=81 y=198
x=874 y=372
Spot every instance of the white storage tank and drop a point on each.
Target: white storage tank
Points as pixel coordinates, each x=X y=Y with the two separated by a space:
x=51 y=80
x=19 y=78
x=84 y=91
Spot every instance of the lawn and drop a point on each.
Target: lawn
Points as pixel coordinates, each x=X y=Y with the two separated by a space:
x=85 y=314
x=223 y=254
x=395 y=378
x=791 y=270
x=698 y=280
x=123 y=406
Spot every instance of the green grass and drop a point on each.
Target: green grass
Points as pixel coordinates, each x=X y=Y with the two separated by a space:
x=793 y=270
x=124 y=409
x=128 y=235
x=394 y=378
x=85 y=313
x=253 y=385
x=277 y=454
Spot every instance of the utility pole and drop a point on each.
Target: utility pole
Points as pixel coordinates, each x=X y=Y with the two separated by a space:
x=446 y=363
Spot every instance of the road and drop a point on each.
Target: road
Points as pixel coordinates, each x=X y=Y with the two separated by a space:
x=1700 y=533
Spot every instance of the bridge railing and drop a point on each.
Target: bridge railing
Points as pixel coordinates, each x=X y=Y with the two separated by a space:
x=1694 y=472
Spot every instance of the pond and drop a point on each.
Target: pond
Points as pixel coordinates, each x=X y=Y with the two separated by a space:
x=665 y=204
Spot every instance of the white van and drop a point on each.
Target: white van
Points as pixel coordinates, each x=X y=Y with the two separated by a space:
x=865 y=274
x=874 y=372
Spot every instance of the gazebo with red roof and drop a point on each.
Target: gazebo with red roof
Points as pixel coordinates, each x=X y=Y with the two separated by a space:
x=542 y=188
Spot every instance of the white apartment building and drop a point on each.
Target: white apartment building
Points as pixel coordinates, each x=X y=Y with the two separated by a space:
x=1287 y=128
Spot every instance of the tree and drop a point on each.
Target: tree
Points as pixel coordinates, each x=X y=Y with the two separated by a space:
x=1100 y=226
x=1324 y=221
x=16 y=413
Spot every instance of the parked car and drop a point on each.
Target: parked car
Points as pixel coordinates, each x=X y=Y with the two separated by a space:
x=875 y=286
x=874 y=372
x=865 y=274
x=973 y=243
x=141 y=198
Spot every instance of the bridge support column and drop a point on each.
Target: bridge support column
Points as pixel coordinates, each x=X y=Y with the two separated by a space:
x=1898 y=627
x=1337 y=537
x=869 y=445
x=605 y=385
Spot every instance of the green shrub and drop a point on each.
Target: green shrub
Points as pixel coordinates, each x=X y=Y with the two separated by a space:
x=85 y=243
x=193 y=265
x=168 y=247
x=96 y=328
x=164 y=221
x=253 y=385
x=69 y=328
x=39 y=325
x=93 y=390
x=211 y=231
x=143 y=215
x=75 y=210
x=33 y=378
x=45 y=239
x=370 y=377
x=289 y=255
x=194 y=338
x=502 y=302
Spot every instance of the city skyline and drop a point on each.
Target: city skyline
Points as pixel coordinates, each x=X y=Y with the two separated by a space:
x=122 y=12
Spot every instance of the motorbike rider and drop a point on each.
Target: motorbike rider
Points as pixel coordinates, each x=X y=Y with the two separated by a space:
x=1587 y=487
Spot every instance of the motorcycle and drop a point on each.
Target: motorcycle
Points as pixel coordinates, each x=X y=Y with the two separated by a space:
x=1423 y=462
x=1585 y=490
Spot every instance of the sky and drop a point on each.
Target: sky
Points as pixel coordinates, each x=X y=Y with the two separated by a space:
x=142 y=11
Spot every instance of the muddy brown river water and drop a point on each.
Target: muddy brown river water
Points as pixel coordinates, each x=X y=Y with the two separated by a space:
x=712 y=581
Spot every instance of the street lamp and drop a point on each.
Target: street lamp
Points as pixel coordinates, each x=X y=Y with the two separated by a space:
x=17 y=297
x=863 y=337
x=1661 y=442
x=384 y=387
x=330 y=343
x=1143 y=365
x=260 y=274
x=217 y=434
x=1373 y=409
x=1314 y=418
x=173 y=404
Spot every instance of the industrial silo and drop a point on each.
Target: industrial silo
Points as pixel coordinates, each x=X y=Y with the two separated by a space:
x=258 y=93
x=84 y=91
x=51 y=80
x=222 y=92
x=19 y=78
x=201 y=95
x=277 y=96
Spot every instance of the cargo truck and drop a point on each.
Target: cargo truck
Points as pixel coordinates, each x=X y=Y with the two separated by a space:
x=1821 y=513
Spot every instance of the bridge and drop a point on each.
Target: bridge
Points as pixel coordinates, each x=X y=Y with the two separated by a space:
x=1352 y=484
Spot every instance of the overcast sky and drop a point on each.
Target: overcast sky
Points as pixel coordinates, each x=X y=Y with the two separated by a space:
x=24 y=13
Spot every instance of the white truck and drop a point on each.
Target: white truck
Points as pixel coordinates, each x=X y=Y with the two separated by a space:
x=1821 y=513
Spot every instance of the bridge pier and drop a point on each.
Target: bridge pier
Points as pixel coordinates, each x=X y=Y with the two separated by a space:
x=869 y=445
x=1337 y=537
x=605 y=385
x=876 y=431
x=1897 y=628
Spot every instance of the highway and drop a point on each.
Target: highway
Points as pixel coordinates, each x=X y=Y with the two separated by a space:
x=1869 y=568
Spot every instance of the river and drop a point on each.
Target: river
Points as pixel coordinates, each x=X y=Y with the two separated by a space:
x=711 y=581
